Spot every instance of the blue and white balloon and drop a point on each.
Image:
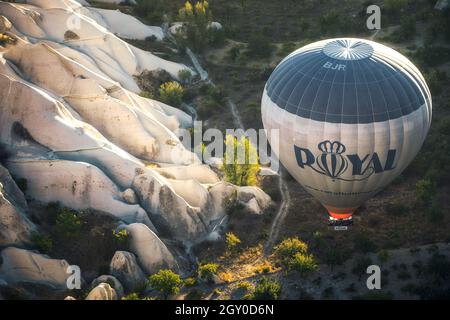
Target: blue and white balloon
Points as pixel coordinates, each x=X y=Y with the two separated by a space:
x=351 y=114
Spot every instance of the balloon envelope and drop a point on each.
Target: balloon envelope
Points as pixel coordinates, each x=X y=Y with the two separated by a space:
x=351 y=114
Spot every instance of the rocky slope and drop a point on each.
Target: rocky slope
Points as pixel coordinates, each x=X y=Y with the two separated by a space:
x=75 y=129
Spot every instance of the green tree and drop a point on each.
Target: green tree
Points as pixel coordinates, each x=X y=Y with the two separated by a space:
x=207 y=271
x=166 y=281
x=171 y=93
x=242 y=170
x=292 y=253
x=197 y=19
x=288 y=248
x=267 y=289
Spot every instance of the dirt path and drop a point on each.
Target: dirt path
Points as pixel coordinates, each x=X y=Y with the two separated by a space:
x=237 y=121
x=280 y=216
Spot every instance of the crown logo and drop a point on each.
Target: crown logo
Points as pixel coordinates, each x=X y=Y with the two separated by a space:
x=331 y=162
x=334 y=147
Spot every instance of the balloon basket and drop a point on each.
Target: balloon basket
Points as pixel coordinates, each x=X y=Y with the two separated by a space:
x=340 y=224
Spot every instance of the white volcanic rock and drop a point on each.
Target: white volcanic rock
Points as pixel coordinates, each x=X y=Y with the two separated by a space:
x=69 y=106
x=15 y=227
x=102 y=292
x=169 y=210
x=26 y=267
x=129 y=196
x=124 y=25
x=128 y=126
x=112 y=281
x=113 y=56
x=125 y=268
x=150 y=251
x=76 y=185
x=199 y=172
x=253 y=198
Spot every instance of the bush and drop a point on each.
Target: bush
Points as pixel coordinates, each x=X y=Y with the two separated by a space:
x=289 y=247
x=293 y=254
x=185 y=76
x=131 y=296
x=241 y=174
x=267 y=289
x=259 y=46
x=303 y=263
x=425 y=191
x=68 y=223
x=207 y=271
x=189 y=282
x=232 y=241
x=43 y=242
x=122 y=236
x=166 y=281
x=171 y=93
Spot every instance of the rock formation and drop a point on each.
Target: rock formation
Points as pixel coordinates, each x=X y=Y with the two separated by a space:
x=76 y=131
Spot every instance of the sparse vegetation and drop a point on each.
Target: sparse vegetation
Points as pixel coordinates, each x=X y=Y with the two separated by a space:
x=425 y=190
x=185 y=76
x=260 y=46
x=207 y=271
x=266 y=289
x=43 y=242
x=121 y=236
x=171 y=93
x=292 y=253
x=232 y=241
x=68 y=223
x=166 y=282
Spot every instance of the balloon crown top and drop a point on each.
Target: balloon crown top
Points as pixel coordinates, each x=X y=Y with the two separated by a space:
x=348 y=49
x=334 y=147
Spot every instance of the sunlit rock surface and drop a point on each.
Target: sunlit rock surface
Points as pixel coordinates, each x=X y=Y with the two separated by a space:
x=15 y=226
x=23 y=268
x=78 y=132
x=102 y=292
x=125 y=268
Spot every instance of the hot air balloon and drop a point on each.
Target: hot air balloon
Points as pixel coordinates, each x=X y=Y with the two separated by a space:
x=351 y=114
